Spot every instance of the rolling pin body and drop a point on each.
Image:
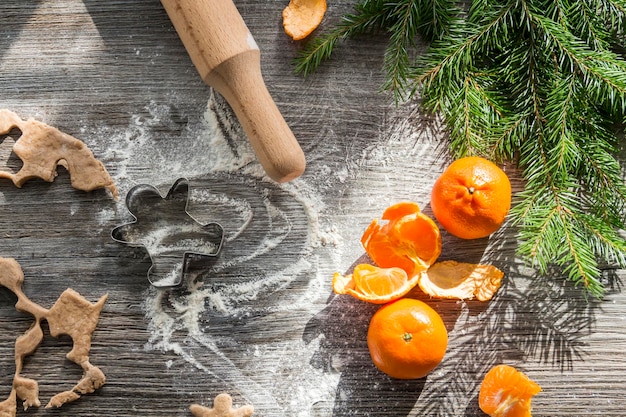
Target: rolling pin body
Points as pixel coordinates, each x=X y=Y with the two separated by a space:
x=228 y=59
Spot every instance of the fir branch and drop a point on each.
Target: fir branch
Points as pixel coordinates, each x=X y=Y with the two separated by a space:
x=369 y=16
x=402 y=19
x=456 y=55
x=540 y=82
x=435 y=17
x=588 y=25
x=396 y=61
x=602 y=72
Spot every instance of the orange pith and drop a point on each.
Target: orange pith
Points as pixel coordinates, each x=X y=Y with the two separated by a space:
x=409 y=239
x=407 y=339
x=506 y=392
x=373 y=284
x=471 y=198
x=461 y=280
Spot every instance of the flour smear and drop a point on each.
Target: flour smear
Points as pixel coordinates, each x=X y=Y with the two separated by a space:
x=257 y=365
x=177 y=319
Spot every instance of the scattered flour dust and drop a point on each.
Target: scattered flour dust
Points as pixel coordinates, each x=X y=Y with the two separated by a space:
x=177 y=319
x=276 y=374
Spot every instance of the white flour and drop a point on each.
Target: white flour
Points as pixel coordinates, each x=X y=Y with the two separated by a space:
x=275 y=374
x=176 y=320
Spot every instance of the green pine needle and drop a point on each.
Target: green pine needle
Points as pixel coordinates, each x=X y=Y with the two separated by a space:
x=540 y=82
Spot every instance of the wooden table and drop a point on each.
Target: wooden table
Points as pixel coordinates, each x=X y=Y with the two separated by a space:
x=264 y=326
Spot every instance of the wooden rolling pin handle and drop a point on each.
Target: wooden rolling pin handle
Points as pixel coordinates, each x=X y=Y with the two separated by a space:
x=275 y=146
x=227 y=58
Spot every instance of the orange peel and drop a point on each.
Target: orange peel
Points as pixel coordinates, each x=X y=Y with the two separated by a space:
x=374 y=284
x=459 y=280
x=409 y=239
x=301 y=17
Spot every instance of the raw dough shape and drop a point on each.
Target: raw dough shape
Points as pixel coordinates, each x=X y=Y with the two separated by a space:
x=222 y=407
x=71 y=315
x=172 y=237
x=42 y=148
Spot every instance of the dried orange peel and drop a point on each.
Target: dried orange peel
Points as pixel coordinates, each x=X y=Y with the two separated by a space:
x=459 y=280
x=374 y=284
x=409 y=239
x=301 y=17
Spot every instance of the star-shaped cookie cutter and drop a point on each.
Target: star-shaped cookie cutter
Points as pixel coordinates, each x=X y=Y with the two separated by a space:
x=163 y=226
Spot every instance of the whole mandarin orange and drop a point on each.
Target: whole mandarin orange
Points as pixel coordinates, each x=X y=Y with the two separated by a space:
x=471 y=198
x=407 y=339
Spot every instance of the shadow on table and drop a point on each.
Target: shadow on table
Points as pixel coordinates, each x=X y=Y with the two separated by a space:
x=545 y=319
x=13 y=19
x=343 y=324
x=533 y=317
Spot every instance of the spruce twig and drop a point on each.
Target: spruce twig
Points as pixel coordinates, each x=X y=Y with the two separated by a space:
x=369 y=16
x=540 y=82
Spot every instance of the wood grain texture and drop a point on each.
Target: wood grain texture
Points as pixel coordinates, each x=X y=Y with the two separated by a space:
x=228 y=59
x=115 y=75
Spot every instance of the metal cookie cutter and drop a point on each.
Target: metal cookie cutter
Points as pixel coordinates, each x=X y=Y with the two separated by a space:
x=163 y=226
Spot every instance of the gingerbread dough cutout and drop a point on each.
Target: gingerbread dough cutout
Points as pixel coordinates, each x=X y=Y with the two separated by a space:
x=222 y=407
x=70 y=315
x=42 y=148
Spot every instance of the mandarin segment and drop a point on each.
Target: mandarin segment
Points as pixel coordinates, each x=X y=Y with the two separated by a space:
x=379 y=281
x=507 y=392
x=471 y=198
x=409 y=239
x=374 y=284
x=401 y=209
x=460 y=280
x=407 y=339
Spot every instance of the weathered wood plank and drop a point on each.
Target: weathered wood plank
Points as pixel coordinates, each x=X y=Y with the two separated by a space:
x=268 y=330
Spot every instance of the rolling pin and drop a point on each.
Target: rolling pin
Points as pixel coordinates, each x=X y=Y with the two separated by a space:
x=228 y=59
